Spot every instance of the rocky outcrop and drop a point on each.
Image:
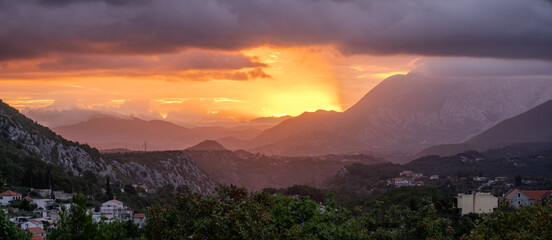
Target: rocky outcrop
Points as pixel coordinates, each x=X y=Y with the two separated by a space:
x=29 y=138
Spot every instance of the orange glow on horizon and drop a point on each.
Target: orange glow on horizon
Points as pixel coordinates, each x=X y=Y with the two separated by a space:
x=300 y=79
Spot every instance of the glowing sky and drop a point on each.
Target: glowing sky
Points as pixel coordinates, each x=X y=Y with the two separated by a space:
x=204 y=62
x=292 y=81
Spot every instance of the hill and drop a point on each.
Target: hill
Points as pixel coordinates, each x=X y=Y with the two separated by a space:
x=256 y=171
x=532 y=129
x=21 y=136
x=207 y=145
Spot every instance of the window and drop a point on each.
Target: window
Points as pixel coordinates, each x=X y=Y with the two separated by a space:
x=519 y=202
x=519 y=195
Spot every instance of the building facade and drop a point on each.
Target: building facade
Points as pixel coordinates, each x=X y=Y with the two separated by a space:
x=8 y=196
x=476 y=203
x=519 y=197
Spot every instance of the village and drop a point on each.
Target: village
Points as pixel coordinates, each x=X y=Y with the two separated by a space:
x=39 y=214
x=478 y=194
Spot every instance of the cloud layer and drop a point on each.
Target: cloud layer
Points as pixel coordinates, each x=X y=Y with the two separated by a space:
x=491 y=28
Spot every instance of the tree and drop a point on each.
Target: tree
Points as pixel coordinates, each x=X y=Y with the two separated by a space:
x=529 y=222
x=8 y=230
x=2 y=181
x=518 y=181
x=77 y=224
x=108 y=193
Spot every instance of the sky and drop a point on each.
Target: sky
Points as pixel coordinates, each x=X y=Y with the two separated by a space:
x=215 y=62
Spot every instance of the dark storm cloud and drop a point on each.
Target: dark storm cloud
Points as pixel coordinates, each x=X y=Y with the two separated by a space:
x=492 y=28
x=189 y=60
x=482 y=67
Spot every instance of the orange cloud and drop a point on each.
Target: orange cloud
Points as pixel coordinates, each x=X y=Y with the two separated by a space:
x=191 y=65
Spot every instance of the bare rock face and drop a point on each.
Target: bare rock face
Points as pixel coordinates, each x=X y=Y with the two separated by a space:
x=30 y=138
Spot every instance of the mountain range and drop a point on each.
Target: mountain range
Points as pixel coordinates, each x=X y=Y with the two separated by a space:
x=405 y=114
x=108 y=132
x=531 y=129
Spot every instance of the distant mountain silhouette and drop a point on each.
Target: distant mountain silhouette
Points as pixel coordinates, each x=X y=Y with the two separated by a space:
x=207 y=145
x=109 y=132
x=533 y=127
x=407 y=113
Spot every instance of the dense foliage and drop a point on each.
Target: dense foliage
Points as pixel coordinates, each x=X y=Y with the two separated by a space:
x=531 y=222
x=234 y=213
x=8 y=230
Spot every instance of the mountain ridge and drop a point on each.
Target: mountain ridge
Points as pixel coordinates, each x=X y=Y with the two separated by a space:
x=530 y=127
x=32 y=139
x=408 y=113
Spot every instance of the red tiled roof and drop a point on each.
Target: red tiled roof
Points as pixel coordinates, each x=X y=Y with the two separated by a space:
x=36 y=230
x=512 y=193
x=139 y=215
x=115 y=201
x=36 y=222
x=10 y=193
x=28 y=198
x=37 y=237
x=536 y=194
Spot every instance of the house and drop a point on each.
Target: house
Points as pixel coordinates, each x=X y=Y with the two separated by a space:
x=43 y=203
x=116 y=209
x=43 y=192
x=434 y=177
x=31 y=224
x=8 y=196
x=37 y=231
x=478 y=202
x=417 y=175
x=501 y=179
x=527 y=197
x=400 y=182
x=37 y=237
x=406 y=173
x=61 y=195
x=479 y=179
x=139 y=219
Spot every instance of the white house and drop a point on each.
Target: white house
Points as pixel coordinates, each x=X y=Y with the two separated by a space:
x=61 y=195
x=30 y=224
x=43 y=203
x=400 y=182
x=527 y=198
x=434 y=177
x=139 y=219
x=8 y=196
x=479 y=179
x=43 y=192
x=116 y=209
